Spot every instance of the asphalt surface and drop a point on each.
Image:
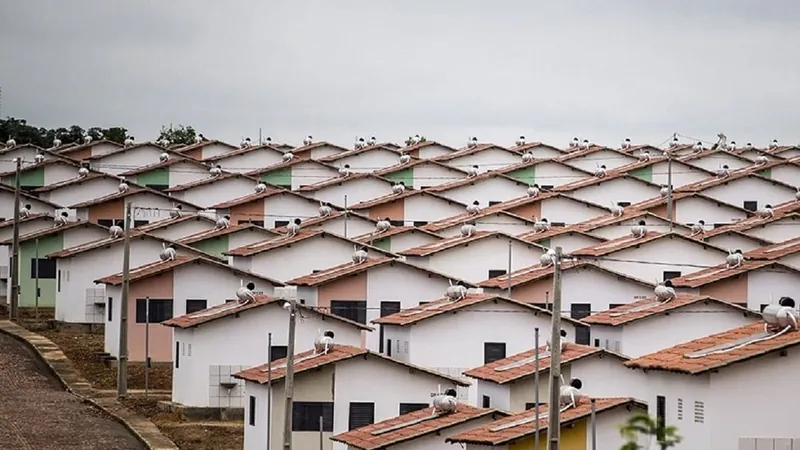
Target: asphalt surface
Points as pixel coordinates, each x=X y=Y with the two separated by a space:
x=37 y=414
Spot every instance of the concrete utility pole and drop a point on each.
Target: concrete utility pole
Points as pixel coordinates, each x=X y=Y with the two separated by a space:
x=269 y=391
x=554 y=419
x=536 y=387
x=289 y=379
x=669 y=188
x=122 y=366
x=346 y=215
x=14 y=269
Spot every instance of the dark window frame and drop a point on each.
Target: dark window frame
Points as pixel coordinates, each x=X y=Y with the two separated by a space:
x=278 y=352
x=579 y=311
x=750 y=205
x=110 y=308
x=398 y=223
x=491 y=351
x=177 y=355
x=615 y=305
x=158 y=308
x=497 y=273
x=252 y=413
x=195 y=302
x=494 y=202
x=281 y=223
x=486 y=401
x=661 y=416
x=47 y=269
x=360 y=414
x=406 y=408
x=140 y=223
x=387 y=308
x=670 y=274
x=305 y=416
x=355 y=310
x=420 y=223
x=157 y=187
x=532 y=405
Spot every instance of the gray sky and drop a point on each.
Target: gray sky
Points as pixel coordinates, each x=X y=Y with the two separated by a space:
x=445 y=69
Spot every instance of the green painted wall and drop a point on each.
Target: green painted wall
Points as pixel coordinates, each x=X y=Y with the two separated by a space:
x=525 y=175
x=644 y=173
x=544 y=242
x=29 y=178
x=405 y=175
x=280 y=177
x=157 y=176
x=47 y=286
x=383 y=243
x=766 y=173
x=214 y=246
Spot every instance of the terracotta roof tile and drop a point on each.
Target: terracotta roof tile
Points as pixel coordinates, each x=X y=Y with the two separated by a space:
x=523 y=424
x=67 y=252
x=651 y=307
x=414 y=163
x=162 y=164
x=72 y=181
x=205 y=143
x=448 y=243
x=676 y=359
x=711 y=182
x=308 y=361
x=388 y=198
x=44 y=232
x=523 y=364
x=528 y=274
x=465 y=217
x=594 y=181
x=411 y=426
x=268 y=192
x=335 y=214
x=472 y=180
x=284 y=164
x=722 y=272
x=113 y=196
x=31 y=217
x=445 y=305
x=278 y=242
x=163 y=223
x=358 y=151
x=618 y=244
x=148 y=270
x=235 y=307
x=212 y=233
x=307 y=148
x=27 y=196
x=778 y=250
x=336 y=272
x=209 y=180
x=466 y=151
x=340 y=179
x=242 y=151
x=392 y=231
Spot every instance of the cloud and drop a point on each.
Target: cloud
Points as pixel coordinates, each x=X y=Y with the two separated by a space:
x=548 y=70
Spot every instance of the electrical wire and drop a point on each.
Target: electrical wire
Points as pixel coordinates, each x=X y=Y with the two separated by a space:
x=505 y=311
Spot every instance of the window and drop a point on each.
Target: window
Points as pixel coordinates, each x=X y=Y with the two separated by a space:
x=108 y=223
x=305 y=416
x=361 y=415
x=160 y=310
x=281 y=223
x=680 y=409
x=661 y=416
x=750 y=206
x=140 y=223
x=579 y=311
x=387 y=308
x=718 y=225
x=492 y=351
x=45 y=269
x=388 y=347
x=532 y=405
x=406 y=408
x=258 y=223
x=252 y=414
x=699 y=412
x=624 y=204
x=420 y=223
x=59 y=281
x=195 y=305
x=486 y=401
x=278 y=352
x=763 y=305
x=177 y=354
x=158 y=187
x=423 y=303
x=110 y=307
x=546 y=187
x=397 y=223
x=492 y=203
x=355 y=310
x=496 y=273
x=615 y=305
x=597 y=342
x=558 y=224
x=669 y=274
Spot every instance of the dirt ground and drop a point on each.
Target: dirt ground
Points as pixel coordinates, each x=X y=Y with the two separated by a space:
x=215 y=435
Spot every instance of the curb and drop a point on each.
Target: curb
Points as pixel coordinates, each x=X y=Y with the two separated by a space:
x=74 y=383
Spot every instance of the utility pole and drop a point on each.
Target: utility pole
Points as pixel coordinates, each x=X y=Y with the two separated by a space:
x=553 y=409
x=14 y=272
x=536 y=388
x=669 y=189
x=345 y=215
x=508 y=274
x=269 y=391
x=289 y=379
x=122 y=367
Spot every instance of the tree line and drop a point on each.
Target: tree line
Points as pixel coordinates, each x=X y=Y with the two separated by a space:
x=23 y=133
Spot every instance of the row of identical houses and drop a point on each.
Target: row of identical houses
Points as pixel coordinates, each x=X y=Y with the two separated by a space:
x=429 y=264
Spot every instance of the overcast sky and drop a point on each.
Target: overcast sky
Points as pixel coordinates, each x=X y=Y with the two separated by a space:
x=446 y=69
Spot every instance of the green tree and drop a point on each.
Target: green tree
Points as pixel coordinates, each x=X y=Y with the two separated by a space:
x=23 y=133
x=116 y=134
x=643 y=426
x=181 y=134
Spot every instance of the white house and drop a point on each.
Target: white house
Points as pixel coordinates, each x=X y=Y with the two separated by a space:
x=559 y=209
x=207 y=149
x=714 y=160
x=295 y=173
x=568 y=238
x=84 y=150
x=212 y=190
x=161 y=175
x=290 y=256
x=774 y=229
x=38 y=206
x=487 y=189
x=610 y=226
x=752 y=284
x=667 y=255
x=318 y=150
x=730 y=237
x=35 y=175
x=453 y=336
x=398 y=239
x=422 y=173
x=476 y=256
x=418 y=429
x=744 y=188
x=539 y=150
x=364 y=290
x=271 y=208
x=79 y=189
x=247 y=159
x=487 y=220
x=346 y=190
x=517 y=432
x=147 y=205
x=547 y=173
x=589 y=159
x=509 y=384
x=659 y=171
x=179 y=227
x=787 y=252
x=697 y=386
x=129 y=158
x=428 y=150
x=649 y=325
x=364 y=160
x=219 y=241
x=487 y=157
x=167 y=289
x=347 y=224
x=338 y=386
x=410 y=207
x=691 y=207
x=204 y=357
x=613 y=188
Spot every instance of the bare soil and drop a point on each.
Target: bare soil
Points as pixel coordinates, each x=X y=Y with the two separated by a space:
x=190 y=435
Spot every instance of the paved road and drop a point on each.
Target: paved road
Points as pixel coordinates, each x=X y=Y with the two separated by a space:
x=37 y=414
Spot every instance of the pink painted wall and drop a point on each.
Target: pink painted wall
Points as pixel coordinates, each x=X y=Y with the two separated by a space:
x=353 y=287
x=731 y=289
x=156 y=287
x=534 y=291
